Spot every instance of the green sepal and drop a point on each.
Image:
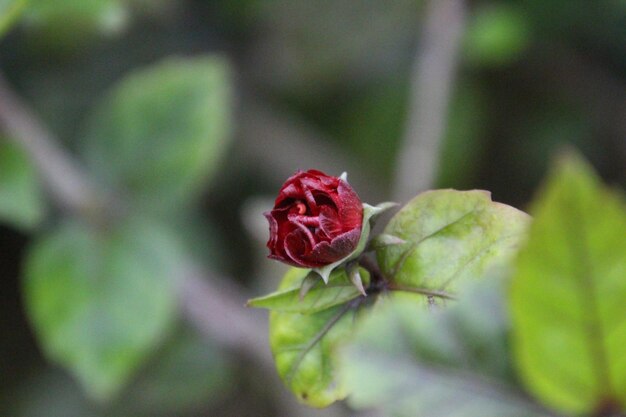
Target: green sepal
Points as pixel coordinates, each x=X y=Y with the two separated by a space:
x=339 y=290
x=354 y=274
x=308 y=282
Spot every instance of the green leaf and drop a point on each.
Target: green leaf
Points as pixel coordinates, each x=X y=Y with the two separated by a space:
x=101 y=300
x=383 y=240
x=452 y=236
x=568 y=297
x=339 y=290
x=10 y=10
x=161 y=132
x=21 y=199
x=309 y=281
x=409 y=361
x=302 y=345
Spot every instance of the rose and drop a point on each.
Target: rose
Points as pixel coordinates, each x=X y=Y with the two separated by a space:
x=316 y=220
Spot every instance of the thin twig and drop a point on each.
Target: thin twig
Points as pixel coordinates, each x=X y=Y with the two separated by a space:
x=432 y=81
x=376 y=275
x=215 y=307
x=67 y=186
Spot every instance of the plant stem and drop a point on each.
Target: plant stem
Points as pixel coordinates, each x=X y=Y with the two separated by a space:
x=431 y=88
x=65 y=183
x=377 y=278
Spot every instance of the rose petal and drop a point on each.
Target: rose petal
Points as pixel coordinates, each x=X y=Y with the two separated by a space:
x=306 y=233
x=279 y=258
x=315 y=184
x=291 y=191
x=280 y=217
x=311 y=203
x=317 y=173
x=296 y=246
x=294 y=177
x=351 y=209
x=338 y=248
x=330 y=182
x=327 y=199
x=329 y=222
x=273 y=229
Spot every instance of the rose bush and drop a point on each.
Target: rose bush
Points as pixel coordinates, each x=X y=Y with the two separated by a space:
x=316 y=220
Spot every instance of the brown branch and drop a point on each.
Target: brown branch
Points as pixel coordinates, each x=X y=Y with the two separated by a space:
x=64 y=181
x=432 y=84
x=215 y=307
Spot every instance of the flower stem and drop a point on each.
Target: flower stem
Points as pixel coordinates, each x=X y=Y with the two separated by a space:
x=377 y=278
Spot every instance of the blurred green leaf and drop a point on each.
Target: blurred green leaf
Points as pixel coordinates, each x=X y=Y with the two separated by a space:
x=187 y=374
x=10 y=10
x=101 y=300
x=71 y=22
x=568 y=295
x=496 y=35
x=201 y=238
x=302 y=345
x=21 y=199
x=339 y=290
x=190 y=372
x=161 y=132
x=409 y=361
x=452 y=236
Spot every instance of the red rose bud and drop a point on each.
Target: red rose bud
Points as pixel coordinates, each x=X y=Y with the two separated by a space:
x=316 y=220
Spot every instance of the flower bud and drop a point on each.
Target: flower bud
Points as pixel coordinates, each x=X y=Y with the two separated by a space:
x=316 y=220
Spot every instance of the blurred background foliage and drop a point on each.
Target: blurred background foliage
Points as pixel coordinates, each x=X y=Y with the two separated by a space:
x=223 y=100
